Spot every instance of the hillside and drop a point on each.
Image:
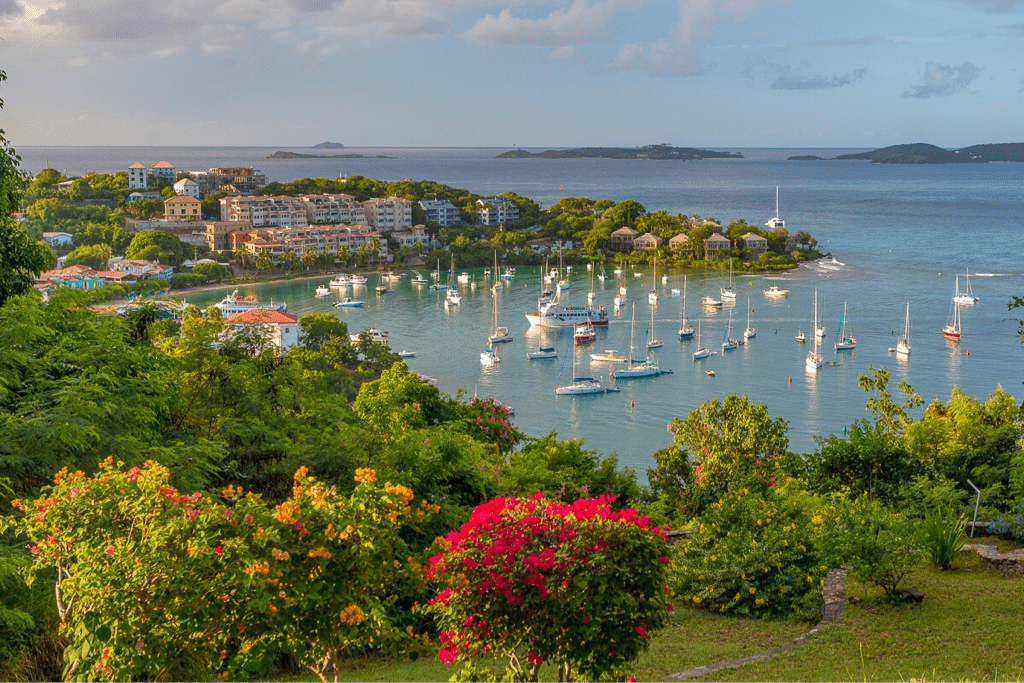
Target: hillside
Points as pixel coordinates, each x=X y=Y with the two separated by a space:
x=646 y=152
x=923 y=153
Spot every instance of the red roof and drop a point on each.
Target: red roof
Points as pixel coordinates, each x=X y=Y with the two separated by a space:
x=262 y=315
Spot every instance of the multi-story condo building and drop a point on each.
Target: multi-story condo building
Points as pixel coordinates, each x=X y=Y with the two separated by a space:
x=323 y=238
x=392 y=213
x=138 y=177
x=441 y=211
x=187 y=187
x=240 y=179
x=183 y=208
x=286 y=212
x=218 y=234
x=163 y=170
x=496 y=211
x=333 y=208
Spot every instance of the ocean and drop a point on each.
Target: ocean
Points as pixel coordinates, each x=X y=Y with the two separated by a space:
x=899 y=234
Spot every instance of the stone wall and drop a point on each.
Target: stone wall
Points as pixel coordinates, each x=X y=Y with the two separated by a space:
x=1011 y=562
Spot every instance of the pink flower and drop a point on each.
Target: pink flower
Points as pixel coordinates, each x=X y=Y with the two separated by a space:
x=134 y=473
x=642 y=631
x=217 y=549
x=248 y=519
x=140 y=646
x=110 y=550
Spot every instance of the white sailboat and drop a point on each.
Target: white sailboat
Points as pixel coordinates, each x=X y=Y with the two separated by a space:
x=845 y=341
x=776 y=222
x=452 y=298
x=620 y=298
x=591 y=295
x=819 y=326
x=611 y=355
x=499 y=334
x=966 y=296
x=637 y=367
x=563 y=282
x=488 y=357
x=702 y=351
x=728 y=343
x=685 y=328
x=580 y=386
x=729 y=292
x=749 y=333
x=952 y=329
x=652 y=296
x=652 y=340
x=903 y=343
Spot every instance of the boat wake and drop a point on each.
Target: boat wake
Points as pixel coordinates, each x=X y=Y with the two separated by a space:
x=992 y=274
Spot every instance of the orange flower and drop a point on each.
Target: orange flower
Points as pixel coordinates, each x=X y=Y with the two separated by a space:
x=301 y=473
x=365 y=474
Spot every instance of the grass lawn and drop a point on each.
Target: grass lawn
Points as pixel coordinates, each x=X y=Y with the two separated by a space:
x=968 y=628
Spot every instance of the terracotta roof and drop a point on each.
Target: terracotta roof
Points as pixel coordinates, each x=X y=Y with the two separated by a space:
x=136 y=165
x=182 y=199
x=163 y=164
x=262 y=315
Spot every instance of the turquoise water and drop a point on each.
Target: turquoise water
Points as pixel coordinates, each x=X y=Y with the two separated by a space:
x=901 y=231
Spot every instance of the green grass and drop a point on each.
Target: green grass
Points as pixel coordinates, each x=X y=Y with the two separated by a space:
x=968 y=628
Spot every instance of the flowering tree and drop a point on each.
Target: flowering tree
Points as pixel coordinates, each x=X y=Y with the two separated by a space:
x=150 y=579
x=536 y=580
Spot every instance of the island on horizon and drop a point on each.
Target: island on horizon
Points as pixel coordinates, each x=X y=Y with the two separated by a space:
x=662 y=151
x=329 y=145
x=924 y=153
x=299 y=155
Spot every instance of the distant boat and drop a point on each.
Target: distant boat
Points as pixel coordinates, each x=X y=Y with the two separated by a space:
x=702 y=351
x=903 y=344
x=636 y=368
x=775 y=291
x=749 y=333
x=322 y=292
x=966 y=296
x=418 y=280
x=652 y=340
x=584 y=333
x=542 y=352
x=376 y=335
x=845 y=341
x=711 y=302
x=488 y=357
x=463 y=277
x=340 y=280
x=358 y=279
x=580 y=386
x=499 y=334
x=800 y=336
x=819 y=325
x=729 y=292
x=776 y=222
x=685 y=328
x=406 y=354
x=347 y=302
x=952 y=329
x=652 y=296
x=728 y=343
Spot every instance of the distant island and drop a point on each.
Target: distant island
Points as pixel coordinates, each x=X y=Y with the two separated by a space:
x=298 y=155
x=923 y=153
x=646 y=152
x=329 y=145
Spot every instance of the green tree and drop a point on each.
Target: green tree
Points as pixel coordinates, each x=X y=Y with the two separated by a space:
x=21 y=257
x=156 y=245
x=317 y=328
x=94 y=256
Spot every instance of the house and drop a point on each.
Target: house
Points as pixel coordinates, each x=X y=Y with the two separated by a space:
x=418 y=234
x=715 y=244
x=441 y=211
x=187 y=187
x=755 y=243
x=496 y=211
x=76 y=277
x=143 y=270
x=58 y=239
x=64 y=186
x=386 y=214
x=646 y=242
x=163 y=170
x=138 y=177
x=218 y=233
x=622 y=239
x=680 y=243
x=183 y=208
x=148 y=194
x=281 y=329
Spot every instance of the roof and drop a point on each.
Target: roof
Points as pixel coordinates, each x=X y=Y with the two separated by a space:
x=163 y=164
x=752 y=236
x=262 y=315
x=716 y=237
x=625 y=230
x=136 y=165
x=182 y=199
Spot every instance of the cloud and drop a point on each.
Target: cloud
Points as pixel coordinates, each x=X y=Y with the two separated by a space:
x=995 y=6
x=785 y=77
x=873 y=39
x=664 y=58
x=939 y=80
x=579 y=23
x=562 y=53
x=11 y=8
x=121 y=20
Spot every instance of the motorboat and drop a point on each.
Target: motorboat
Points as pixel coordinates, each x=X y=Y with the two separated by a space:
x=463 y=277
x=375 y=334
x=774 y=291
x=358 y=279
x=233 y=304
x=488 y=357
x=584 y=333
x=340 y=280
x=711 y=302
x=419 y=280
x=322 y=292
x=406 y=354
x=347 y=302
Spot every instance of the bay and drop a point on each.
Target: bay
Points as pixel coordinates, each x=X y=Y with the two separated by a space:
x=901 y=233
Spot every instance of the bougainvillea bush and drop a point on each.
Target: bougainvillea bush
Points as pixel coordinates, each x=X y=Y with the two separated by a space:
x=578 y=585
x=152 y=581
x=754 y=554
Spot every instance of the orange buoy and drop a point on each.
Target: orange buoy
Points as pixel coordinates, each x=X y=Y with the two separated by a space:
x=631 y=404
x=968 y=354
x=791 y=379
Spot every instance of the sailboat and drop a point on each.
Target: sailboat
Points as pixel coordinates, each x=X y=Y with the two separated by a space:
x=729 y=292
x=592 y=294
x=652 y=341
x=952 y=329
x=437 y=276
x=620 y=298
x=702 y=351
x=819 y=326
x=611 y=355
x=776 y=222
x=563 y=282
x=636 y=368
x=903 y=344
x=967 y=296
x=499 y=334
x=800 y=336
x=497 y=286
x=728 y=343
x=845 y=341
x=452 y=298
x=652 y=296
x=580 y=385
x=749 y=333
x=685 y=328
x=814 y=358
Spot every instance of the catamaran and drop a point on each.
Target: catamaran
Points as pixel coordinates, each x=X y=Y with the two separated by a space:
x=844 y=341
x=685 y=328
x=903 y=344
x=966 y=296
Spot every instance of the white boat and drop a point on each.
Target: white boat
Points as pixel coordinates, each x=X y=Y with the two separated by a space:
x=749 y=333
x=814 y=358
x=618 y=271
x=592 y=294
x=580 y=386
x=952 y=329
x=819 y=325
x=542 y=352
x=488 y=357
x=800 y=336
x=322 y=292
x=376 y=335
x=652 y=296
x=685 y=328
x=509 y=273
x=392 y=276
x=775 y=291
x=676 y=291
x=903 y=343
x=602 y=276
x=463 y=277
x=728 y=343
x=340 y=280
x=358 y=280
x=664 y=279
x=418 y=280
x=381 y=288
x=729 y=292
x=966 y=296
x=347 y=302
x=563 y=282
x=232 y=304
x=499 y=334
x=611 y=355
x=553 y=315
x=702 y=351
x=636 y=368
x=711 y=302
x=584 y=334
x=406 y=354
x=845 y=341
x=652 y=341
x=776 y=222
x=452 y=298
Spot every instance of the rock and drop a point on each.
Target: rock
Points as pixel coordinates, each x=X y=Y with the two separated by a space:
x=910 y=595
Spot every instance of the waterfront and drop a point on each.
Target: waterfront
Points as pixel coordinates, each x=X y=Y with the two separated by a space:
x=902 y=232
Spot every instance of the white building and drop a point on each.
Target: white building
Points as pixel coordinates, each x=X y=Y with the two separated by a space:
x=334 y=209
x=496 y=211
x=392 y=213
x=138 y=177
x=441 y=211
x=187 y=188
x=286 y=212
x=280 y=328
x=163 y=170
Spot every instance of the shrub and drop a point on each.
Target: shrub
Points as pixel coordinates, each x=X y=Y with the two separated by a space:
x=152 y=581
x=753 y=554
x=536 y=580
x=942 y=536
x=1011 y=524
x=877 y=543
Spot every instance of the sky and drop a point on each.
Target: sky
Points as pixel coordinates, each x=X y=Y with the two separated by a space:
x=479 y=73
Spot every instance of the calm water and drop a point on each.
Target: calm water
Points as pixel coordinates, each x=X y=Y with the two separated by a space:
x=900 y=231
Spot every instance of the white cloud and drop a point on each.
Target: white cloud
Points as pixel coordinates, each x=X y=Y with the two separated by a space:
x=562 y=53
x=995 y=6
x=574 y=25
x=941 y=80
